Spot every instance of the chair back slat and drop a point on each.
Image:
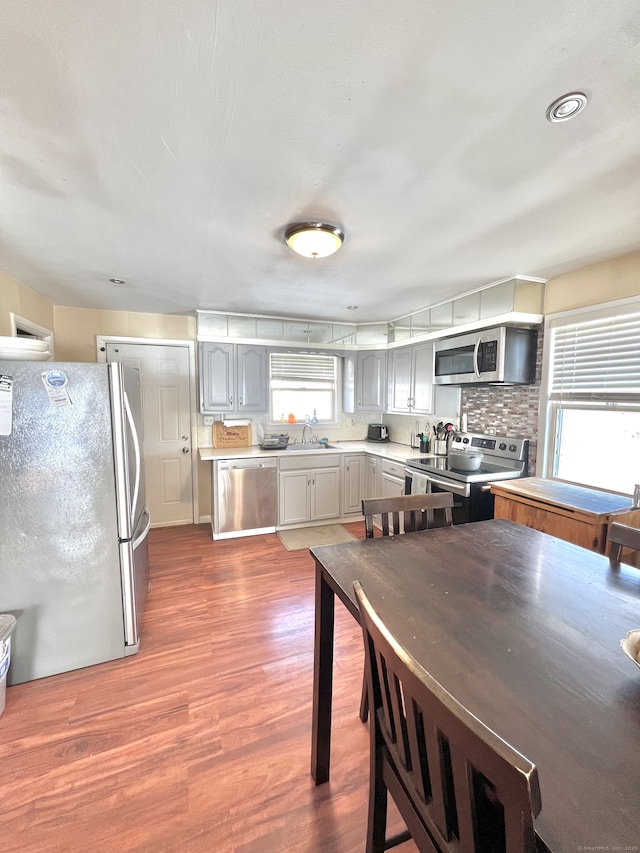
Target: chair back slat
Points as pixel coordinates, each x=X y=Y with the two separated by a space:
x=459 y=787
x=418 y=512
x=621 y=536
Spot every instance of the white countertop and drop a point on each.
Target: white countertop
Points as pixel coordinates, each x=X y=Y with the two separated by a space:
x=385 y=450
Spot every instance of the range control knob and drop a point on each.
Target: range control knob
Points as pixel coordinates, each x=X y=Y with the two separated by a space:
x=512 y=448
x=457 y=438
x=502 y=446
x=465 y=441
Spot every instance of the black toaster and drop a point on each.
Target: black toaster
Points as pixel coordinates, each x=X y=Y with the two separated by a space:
x=377 y=432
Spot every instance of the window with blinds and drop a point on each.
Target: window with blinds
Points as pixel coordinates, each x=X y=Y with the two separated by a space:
x=593 y=398
x=303 y=385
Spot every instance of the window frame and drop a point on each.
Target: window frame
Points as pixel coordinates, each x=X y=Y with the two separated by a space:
x=549 y=432
x=274 y=421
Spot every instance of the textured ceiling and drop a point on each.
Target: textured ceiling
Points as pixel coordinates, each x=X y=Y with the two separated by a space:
x=170 y=143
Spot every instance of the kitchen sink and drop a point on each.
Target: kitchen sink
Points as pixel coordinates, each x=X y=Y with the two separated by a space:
x=310 y=447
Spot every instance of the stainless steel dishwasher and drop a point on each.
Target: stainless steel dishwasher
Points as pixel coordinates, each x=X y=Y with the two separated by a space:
x=244 y=497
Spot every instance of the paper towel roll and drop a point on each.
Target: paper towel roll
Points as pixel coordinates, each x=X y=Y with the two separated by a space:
x=236 y=422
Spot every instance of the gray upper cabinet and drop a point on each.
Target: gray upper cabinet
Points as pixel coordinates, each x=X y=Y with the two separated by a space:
x=233 y=378
x=252 y=378
x=411 y=379
x=216 y=377
x=371 y=374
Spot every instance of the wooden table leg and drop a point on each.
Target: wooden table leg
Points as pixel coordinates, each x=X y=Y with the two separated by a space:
x=322 y=679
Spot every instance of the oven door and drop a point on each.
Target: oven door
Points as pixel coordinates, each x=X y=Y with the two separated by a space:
x=462 y=505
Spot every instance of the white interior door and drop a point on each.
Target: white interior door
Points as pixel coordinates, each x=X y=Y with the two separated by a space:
x=166 y=414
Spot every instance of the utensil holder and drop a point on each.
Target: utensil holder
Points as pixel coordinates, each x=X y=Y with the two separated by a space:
x=440 y=447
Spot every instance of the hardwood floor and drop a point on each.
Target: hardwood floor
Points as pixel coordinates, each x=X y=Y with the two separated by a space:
x=201 y=742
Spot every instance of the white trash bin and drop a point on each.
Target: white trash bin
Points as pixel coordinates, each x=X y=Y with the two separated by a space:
x=7 y=624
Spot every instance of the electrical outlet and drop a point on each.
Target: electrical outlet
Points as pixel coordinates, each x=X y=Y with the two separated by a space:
x=208 y=420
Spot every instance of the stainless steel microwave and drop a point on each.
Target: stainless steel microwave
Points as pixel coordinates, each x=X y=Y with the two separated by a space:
x=505 y=355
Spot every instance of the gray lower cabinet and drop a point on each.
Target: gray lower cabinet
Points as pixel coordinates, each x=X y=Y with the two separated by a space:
x=309 y=489
x=372 y=466
x=411 y=379
x=353 y=483
x=233 y=378
x=392 y=479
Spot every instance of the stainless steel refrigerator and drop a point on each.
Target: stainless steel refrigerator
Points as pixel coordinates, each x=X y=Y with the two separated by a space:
x=73 y=517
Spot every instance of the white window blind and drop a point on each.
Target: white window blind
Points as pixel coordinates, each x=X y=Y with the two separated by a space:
x=304 y=368
x=597 y=357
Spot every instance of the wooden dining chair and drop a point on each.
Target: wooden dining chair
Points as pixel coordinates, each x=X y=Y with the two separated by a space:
x=418 y=513
x=621 y=536
x=458 y=786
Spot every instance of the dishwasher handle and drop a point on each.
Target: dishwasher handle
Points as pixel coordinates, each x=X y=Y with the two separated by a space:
x=239 y=464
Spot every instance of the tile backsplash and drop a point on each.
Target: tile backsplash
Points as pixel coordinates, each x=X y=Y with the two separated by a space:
x=509 y=409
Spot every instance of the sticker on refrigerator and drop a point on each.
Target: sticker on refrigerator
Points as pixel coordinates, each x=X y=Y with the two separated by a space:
x=6 y=403
x=55 y=382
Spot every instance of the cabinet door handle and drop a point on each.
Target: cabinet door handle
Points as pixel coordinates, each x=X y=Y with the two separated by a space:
x=241 y=403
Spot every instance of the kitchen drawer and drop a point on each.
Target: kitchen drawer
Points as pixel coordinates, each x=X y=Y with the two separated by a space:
x=306 y=461
x=393 y=468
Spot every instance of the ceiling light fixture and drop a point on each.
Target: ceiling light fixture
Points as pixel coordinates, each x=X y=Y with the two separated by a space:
x=117 y=281
x=314 y=239
x=566 y=107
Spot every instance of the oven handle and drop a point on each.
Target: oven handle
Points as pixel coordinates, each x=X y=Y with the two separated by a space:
x=455 y=488
x=449 y=486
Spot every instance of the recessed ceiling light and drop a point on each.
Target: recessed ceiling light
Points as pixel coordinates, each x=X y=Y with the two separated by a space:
x=352 y=307
x=566 y=107
x=314 y=239
x=117 y=281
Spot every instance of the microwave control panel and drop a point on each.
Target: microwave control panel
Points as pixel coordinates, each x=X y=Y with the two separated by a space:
x=489 y=356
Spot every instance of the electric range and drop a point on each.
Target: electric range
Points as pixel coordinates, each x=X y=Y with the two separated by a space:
x=504 y=458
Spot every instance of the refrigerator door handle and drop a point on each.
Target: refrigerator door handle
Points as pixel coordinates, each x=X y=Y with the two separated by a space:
x=143 y=534
x=136 y=445
x=135 y=580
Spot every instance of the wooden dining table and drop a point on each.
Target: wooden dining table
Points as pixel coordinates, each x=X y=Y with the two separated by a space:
x=523 y=629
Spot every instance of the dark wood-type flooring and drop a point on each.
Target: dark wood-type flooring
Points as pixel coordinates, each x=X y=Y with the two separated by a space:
x=201 y=742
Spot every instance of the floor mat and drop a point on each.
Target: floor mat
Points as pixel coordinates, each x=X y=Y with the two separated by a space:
x=309 y=537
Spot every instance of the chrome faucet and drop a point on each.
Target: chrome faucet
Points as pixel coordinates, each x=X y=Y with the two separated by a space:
x=304 y=432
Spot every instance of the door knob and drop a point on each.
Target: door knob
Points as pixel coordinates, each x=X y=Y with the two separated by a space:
x=185 y=449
